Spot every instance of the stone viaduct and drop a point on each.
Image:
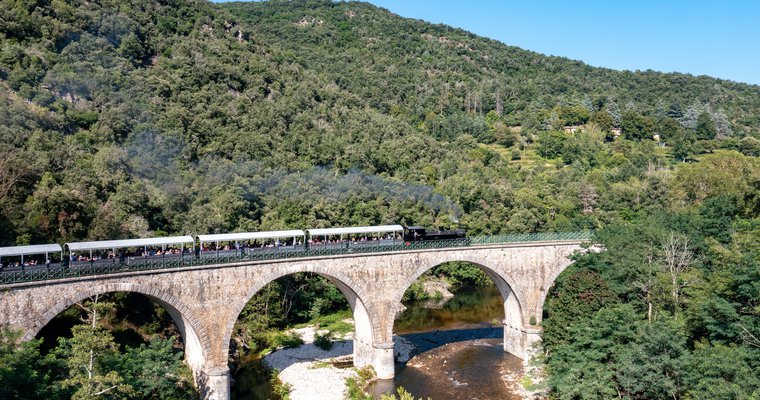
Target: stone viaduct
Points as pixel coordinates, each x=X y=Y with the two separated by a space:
x=205 y=301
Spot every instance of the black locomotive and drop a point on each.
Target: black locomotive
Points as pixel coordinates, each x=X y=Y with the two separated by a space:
x=418 y=233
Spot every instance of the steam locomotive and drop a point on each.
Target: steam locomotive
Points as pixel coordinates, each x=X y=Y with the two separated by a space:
x=417 y=233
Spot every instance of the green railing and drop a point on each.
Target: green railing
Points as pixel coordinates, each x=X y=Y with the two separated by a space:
x=533 y=237
x=282 y=253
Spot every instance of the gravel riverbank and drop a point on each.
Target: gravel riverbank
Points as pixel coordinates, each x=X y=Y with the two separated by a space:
x=311 y=375
x=308 y=369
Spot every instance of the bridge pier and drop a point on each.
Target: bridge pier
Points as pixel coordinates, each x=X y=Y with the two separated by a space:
x=521 y=340
x=383 y=361
x=214 y=384
x=377 y=355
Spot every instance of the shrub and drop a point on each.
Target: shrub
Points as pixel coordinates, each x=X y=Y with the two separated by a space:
x=355 y=386
x=287 y=340
x=279 y=388
x=416 y=292
x=323 y=341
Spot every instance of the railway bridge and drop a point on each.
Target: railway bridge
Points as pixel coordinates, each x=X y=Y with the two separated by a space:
x=205 y=297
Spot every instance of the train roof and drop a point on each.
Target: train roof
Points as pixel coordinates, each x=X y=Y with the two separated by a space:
x=31 y=249
x=356 y=230
x=226 y=237
x=124 y=243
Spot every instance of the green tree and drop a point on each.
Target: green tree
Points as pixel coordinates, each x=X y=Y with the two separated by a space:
x=724 y=173
x=603 y=120
x=24 y=372
x=705 y=129
x=89 y=355
x=614 y=353
x=576 y=295
x=462 y=273
x=551 y=144
x=682 y=144
x=722 y=373
x=636 y=126
x=667 y=128
x=587 y=366
x=657 y=363
x=156 y=371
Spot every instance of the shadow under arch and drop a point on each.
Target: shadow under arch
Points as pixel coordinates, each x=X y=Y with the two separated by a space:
x=514 y=316
x=552 y=278
x=195 y=338
x=366 y=317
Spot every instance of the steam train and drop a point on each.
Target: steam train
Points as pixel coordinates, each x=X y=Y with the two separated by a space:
x=124 y=250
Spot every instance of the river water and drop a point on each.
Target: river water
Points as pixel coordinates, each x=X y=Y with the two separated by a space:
x=458 y=353
x=458 y=350
x=473 y=369
x=471 y=307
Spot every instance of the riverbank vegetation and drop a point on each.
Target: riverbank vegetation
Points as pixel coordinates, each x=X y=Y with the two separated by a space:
x=355 y=387
x=669 y=309
x=290 y=302
x=102 y=355
x=186 y=117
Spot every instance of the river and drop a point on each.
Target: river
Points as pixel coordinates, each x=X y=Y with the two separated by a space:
x=471 y=307
x=457 y=353
x=458 y=350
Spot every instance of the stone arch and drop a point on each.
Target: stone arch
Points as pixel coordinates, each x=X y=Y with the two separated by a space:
x=194 y=336
x=366 y=316
x=503 y=282
x=515 y=318
x=555 y=272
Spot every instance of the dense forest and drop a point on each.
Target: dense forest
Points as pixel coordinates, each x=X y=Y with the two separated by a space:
x=149 y=117
x=144 y=118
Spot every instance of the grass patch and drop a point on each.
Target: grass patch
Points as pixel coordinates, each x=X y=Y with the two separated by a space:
x=504 y=152
x=332 y=322
x=286 y=340
x=530 y=158
x=528 y=384
x=320 y=364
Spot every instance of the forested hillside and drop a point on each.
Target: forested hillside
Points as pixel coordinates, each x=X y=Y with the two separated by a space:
x=149 y=117
x=411 y=69
x=138 y=118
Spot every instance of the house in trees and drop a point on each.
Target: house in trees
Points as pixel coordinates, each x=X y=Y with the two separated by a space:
x=573 y=128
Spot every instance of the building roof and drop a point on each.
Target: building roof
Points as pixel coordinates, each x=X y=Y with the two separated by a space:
x=120 y=244
x=32 y=249
x=228 y=237
x=356 y=230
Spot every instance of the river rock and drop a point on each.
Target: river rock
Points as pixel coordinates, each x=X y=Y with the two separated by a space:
x=437 y=285
x=402 y=349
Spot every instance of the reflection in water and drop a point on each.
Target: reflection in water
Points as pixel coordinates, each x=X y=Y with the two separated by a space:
x=251 y=380
x=472 y=306
x=462 y=355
